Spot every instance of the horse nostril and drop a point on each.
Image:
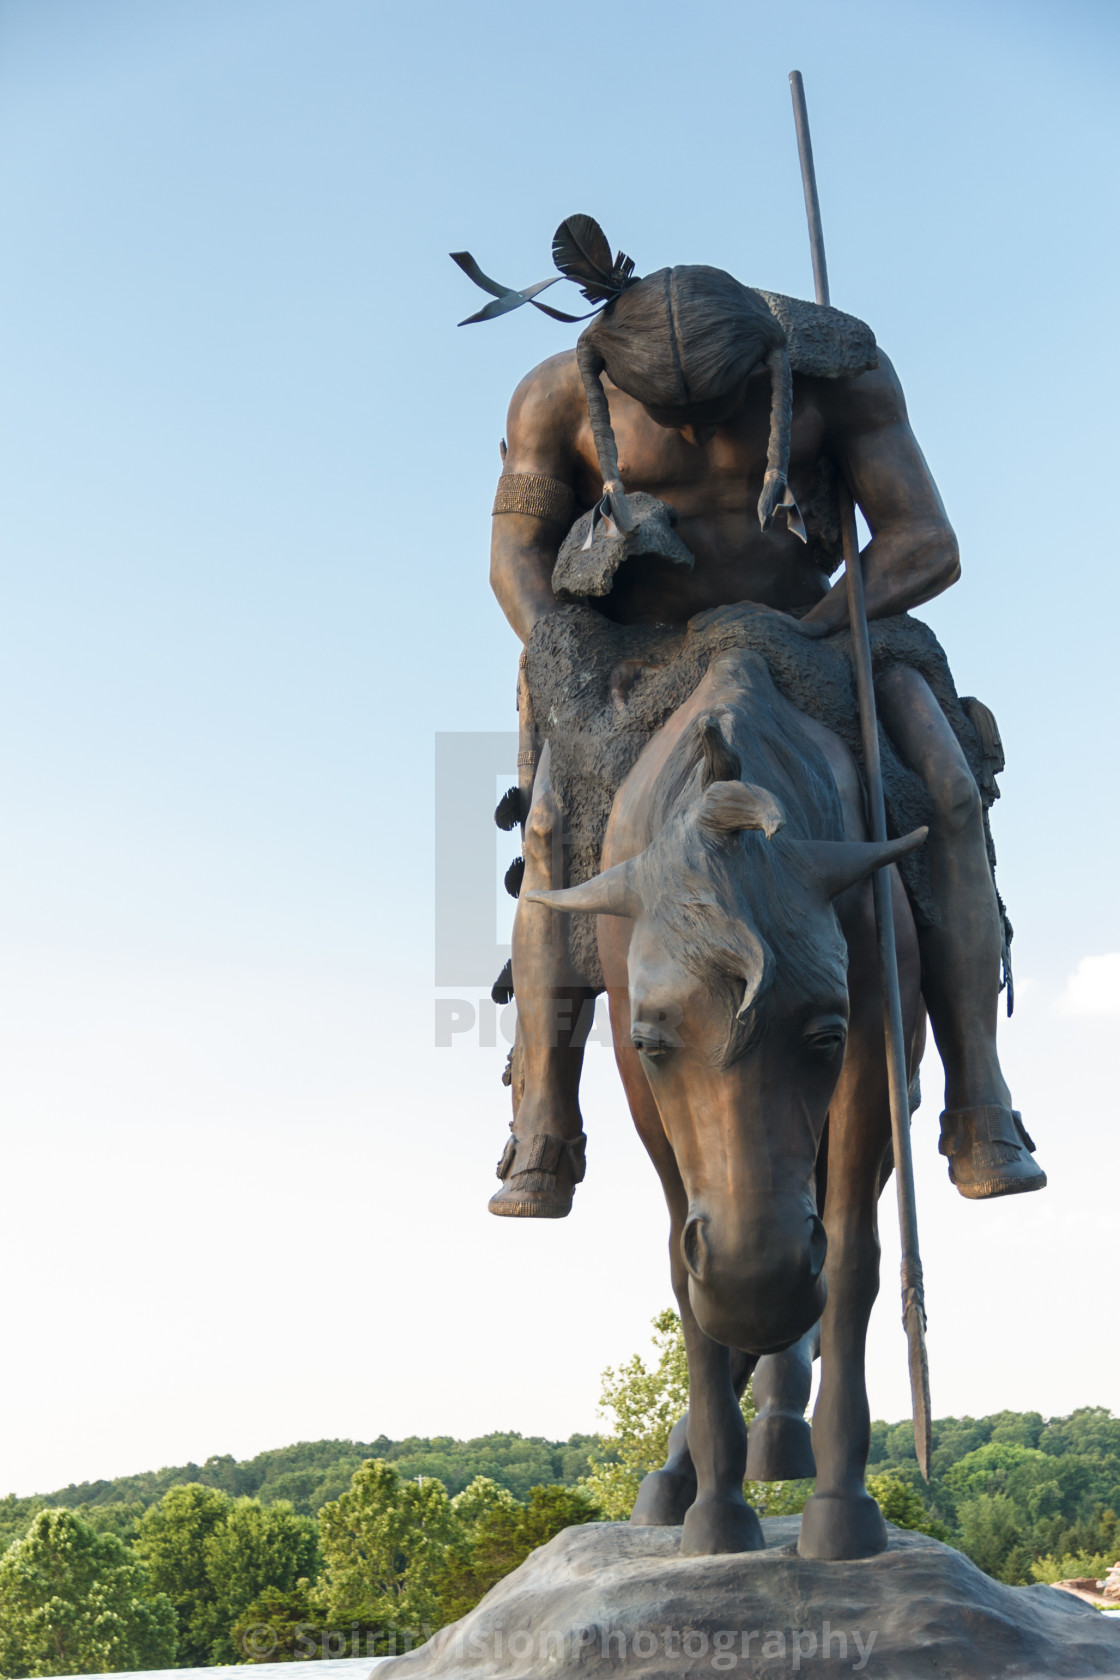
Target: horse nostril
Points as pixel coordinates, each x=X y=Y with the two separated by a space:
x=694 y=1246
x=818 y=1247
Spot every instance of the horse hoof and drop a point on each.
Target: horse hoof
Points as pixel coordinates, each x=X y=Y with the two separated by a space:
x=835 y=1526
x=721 y=1525
x=663 y=1500
x=779 y=1448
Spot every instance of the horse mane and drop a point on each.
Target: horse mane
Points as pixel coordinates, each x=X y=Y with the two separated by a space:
x=731 y=906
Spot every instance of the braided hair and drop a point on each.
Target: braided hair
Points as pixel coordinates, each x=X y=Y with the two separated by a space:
x=679 y=337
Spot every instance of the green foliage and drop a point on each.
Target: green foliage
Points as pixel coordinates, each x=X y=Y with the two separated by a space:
x=172 y=1542
x=311 y=1473
x=1012 y=1504
x=281 y=1626
x=1074 y=1566
x=213 y=1556
x=501 y=1537
x=642 y=1403
x=385 y=1545
x=1015 y=1488
x=515 y=1462
x=257 y=1548
x=16 y=1515
x=990 y=1531
x=902 y=1504
x=414 y=1532
x=478 y=1500
x=73 y=1601
x=121 y=1518
x=1092 y=1432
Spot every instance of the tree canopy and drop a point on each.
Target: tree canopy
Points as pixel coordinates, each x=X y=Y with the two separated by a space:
x=73 y=1601
x=341 y=1548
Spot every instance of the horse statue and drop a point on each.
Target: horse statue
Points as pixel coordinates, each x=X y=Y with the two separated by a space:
x=737 y=939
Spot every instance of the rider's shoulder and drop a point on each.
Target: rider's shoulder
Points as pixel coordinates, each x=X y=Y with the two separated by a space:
x=550 y=396
x=873 y=397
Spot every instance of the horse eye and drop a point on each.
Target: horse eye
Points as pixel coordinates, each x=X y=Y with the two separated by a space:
x=654 y=1048
x=826 y=1043
x=826 y=1038
x=651 y=1040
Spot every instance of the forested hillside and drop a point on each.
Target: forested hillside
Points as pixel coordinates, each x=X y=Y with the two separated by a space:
x=347 y=1548
x=311 y=1472
x=1016 y=1488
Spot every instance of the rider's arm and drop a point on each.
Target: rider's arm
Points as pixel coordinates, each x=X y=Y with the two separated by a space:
x=913 y=552
x=539 y=473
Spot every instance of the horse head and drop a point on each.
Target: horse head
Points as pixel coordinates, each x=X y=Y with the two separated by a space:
x=737 y=980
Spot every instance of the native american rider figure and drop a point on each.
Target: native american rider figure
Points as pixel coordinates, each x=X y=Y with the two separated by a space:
x=668 y=491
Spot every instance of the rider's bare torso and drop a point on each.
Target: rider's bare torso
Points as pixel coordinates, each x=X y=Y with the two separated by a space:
x=714 y=491
x=712 y=478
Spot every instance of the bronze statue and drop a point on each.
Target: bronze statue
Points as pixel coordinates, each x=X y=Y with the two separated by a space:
x=729 y=431
x=666 y=524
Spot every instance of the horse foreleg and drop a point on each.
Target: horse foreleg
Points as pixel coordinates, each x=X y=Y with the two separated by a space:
x=779 y=1443
x=666 y=1494
x=841 y=1520
x=719 y=1519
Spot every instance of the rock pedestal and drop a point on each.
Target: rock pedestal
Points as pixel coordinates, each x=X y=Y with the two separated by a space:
x=608 y=1599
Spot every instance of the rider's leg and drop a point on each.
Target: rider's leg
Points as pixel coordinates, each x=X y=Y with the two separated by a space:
x=961 y=955
x=543 y=1160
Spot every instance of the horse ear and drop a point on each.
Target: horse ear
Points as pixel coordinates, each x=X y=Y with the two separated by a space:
x=613 y=893
x=839 y=864
x=730 y=807
x=721 y=762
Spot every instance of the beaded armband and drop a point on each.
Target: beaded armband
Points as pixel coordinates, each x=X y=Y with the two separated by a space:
x=536 y=494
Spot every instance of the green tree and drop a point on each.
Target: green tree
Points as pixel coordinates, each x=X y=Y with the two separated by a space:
x=1092 y=1430
x=1074 y=1566
x=478 y=1500
x=999 y=1467
x=902 y=1504
x=16 y=1516
x=501 y=1538
x=73 y=1601
x=119 y=1516
x=256 y=1548
x=990 y=1531
x=283 y=1626
x=172 y=1542
x=642 y=1403
x=385 y=1545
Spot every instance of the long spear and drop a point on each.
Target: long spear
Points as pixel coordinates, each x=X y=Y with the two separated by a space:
x=913 y=1293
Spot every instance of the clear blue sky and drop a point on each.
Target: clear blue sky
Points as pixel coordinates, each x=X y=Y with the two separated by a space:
x=245 y=475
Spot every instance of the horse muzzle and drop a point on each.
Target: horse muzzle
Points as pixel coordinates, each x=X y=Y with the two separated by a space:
x=756 y=1283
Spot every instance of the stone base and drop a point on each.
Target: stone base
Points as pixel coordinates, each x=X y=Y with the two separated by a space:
x=608 y=1599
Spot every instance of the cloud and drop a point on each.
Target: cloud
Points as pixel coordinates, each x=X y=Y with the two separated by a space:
x=1093 y=988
